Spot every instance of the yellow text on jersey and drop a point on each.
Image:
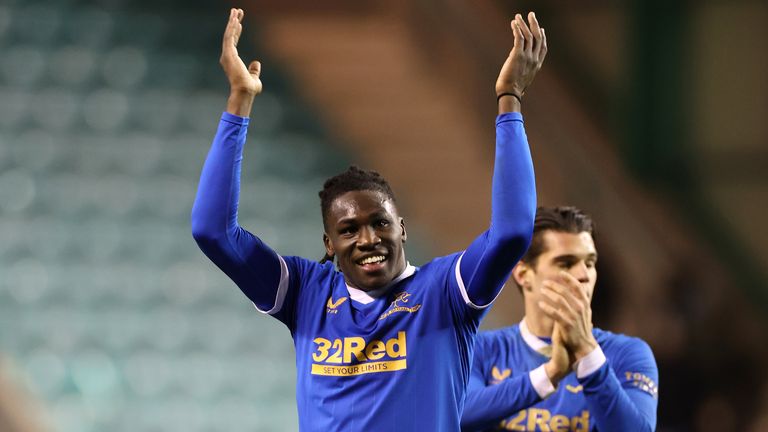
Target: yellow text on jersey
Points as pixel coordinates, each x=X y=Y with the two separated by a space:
x=539 y=419
x=353 y=356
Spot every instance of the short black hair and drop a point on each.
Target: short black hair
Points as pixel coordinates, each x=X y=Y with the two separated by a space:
x=353 y=179
x=564 y=219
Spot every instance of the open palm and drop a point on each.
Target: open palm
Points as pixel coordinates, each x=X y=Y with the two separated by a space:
x=241 y=78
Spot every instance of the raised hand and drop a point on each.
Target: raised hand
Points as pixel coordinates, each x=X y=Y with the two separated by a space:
x=526 y=57
x=567 y=304
x=244 y=81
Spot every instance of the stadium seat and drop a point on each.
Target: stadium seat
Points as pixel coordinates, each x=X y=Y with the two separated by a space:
x=118 y=321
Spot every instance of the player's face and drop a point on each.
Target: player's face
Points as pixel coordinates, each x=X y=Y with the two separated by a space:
x=573 y=253
x=366 y=235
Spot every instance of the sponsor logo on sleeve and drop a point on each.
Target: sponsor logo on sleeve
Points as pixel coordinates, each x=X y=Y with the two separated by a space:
x=642 y=382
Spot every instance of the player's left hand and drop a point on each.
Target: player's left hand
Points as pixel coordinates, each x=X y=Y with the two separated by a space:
x=525 y=58
x=566 y=302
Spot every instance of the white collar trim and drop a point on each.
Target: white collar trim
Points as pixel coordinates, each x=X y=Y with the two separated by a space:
x=366 y=297
x=532 y=340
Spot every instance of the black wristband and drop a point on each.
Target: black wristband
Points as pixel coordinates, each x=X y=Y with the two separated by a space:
x=519 y=99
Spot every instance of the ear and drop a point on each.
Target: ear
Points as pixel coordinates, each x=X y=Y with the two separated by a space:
x=402 y=227
x=522 y=272
x=328 y=245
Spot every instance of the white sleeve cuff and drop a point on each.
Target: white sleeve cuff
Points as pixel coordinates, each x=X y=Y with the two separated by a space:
x=541 y=382
x=591 y=362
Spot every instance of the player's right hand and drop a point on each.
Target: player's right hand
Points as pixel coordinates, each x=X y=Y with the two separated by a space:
x=243 y=80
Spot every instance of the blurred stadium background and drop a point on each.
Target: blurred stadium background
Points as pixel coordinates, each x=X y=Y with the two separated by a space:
x=650 y=115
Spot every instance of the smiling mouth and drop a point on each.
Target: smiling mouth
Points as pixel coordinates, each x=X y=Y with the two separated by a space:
x=372 y=262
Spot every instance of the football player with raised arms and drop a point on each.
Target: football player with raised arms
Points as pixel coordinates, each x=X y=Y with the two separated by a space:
x=380 y=344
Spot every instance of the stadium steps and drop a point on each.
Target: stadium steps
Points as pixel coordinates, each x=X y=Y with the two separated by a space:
x=110 y=316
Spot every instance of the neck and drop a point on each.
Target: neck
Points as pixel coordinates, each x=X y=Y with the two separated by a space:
x=538 y=328
x=404 y=272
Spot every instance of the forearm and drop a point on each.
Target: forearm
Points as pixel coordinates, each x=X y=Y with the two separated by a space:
x=487 y=263
x=487 y=406
x=513 y=199
x=508 y=103
x=611 y=406
x=240 y=102
x=214 y=212
x=251 y=264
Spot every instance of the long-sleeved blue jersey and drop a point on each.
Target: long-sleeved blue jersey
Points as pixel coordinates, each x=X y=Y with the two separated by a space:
x=620 y=395
x=397 y=358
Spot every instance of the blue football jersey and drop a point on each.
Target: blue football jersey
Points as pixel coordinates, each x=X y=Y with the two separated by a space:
x=399 y=362
x=397 y=358
x=622 y=395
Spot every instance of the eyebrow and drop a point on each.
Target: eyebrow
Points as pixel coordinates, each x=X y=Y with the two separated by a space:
x=377 y=215
x=572 y=257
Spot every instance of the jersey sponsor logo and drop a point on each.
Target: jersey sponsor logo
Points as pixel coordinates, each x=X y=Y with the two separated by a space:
x=398 y=305
x=539 y=419
x=353 y=356
x=574 y=389
x=331 y=305
x=499 y=375
x=643 y=382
